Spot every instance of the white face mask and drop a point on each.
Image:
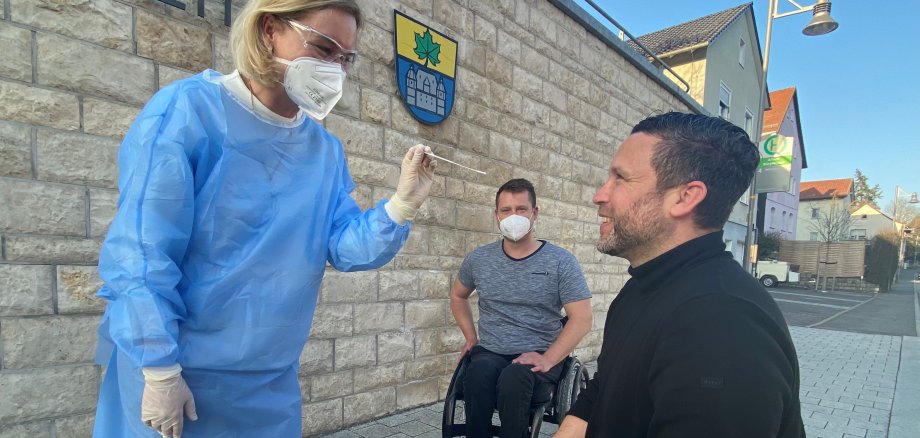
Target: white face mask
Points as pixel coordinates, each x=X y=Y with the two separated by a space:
x=515 y=227
x=314 y=85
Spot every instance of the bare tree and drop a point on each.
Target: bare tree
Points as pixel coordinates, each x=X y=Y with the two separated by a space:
x=902 y=211
x=832 y=224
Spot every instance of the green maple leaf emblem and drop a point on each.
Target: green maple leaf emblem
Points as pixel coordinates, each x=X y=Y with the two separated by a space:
x=426 y=49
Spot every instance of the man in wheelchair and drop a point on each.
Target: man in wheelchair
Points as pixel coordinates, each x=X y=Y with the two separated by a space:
x=523 y=283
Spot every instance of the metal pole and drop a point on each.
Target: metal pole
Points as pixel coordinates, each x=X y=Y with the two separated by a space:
x=639 y=43
x=894 y=213
x=755 y=137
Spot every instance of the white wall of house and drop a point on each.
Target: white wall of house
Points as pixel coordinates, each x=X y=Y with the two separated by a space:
x=810 y=211
x=867 y=222
x=738 y=67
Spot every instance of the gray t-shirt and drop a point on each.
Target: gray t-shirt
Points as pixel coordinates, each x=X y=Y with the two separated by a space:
x=520 y=300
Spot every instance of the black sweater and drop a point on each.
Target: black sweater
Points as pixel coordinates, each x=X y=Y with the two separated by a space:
x=694 y=347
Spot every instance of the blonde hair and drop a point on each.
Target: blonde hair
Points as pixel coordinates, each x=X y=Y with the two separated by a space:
x=251 y=55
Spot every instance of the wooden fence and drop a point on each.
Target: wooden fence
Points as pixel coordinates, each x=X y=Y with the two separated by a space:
x=838 y=259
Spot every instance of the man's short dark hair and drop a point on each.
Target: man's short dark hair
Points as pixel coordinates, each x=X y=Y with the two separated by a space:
x=694 y=147
x=518 y=185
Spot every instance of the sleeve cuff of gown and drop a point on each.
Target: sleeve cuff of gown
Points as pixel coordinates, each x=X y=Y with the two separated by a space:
x=398 y=211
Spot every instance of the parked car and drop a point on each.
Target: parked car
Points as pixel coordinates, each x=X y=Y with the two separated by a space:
x=773 y=272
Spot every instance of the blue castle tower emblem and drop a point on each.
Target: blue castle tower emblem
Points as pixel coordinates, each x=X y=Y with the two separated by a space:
x=426 y=68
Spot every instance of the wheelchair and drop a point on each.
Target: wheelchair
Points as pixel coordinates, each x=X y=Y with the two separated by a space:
x=571 y=383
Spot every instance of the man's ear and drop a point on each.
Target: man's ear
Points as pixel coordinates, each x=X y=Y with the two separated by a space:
x=687 y=197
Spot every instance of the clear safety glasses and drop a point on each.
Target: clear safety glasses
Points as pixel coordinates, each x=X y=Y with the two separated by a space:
x=329 y=49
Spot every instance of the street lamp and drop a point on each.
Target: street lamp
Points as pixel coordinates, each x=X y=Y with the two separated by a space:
x=820 y=24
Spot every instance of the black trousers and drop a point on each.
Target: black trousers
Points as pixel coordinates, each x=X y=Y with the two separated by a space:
x=492 y=381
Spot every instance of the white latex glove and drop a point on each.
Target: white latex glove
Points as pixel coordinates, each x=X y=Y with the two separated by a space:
x=166 y=397
x=415 y=179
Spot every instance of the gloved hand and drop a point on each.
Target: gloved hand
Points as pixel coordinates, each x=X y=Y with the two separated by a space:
x=166 y=397
x=415 y=179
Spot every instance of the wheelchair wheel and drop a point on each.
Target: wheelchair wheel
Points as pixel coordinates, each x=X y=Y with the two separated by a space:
x=536 y=420
x=572 y=383
x=449 y=421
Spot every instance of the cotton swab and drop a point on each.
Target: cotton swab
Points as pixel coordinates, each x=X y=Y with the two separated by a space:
x=452 y=162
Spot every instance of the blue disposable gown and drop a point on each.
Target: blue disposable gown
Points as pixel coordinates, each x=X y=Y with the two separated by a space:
x=214 y=259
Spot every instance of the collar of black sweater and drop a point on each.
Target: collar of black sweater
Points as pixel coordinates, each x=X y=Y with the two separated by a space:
x=652 y=273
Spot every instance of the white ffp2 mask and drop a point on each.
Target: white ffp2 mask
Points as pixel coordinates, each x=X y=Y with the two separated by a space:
x=514 y=227
x=314 y=85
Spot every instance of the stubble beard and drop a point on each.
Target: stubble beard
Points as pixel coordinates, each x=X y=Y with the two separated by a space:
x=637 y=230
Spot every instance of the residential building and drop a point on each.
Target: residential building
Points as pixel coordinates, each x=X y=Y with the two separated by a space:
x=777 y=212
x=868 y=221
x=719 y=57
x=819 y=200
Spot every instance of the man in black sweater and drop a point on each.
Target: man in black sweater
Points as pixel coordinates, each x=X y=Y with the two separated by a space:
x=693 y=345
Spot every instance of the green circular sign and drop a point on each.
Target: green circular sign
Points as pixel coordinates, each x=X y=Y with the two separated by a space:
x=770 y=144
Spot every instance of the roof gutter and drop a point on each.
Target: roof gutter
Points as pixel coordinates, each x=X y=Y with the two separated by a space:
x=685 y=49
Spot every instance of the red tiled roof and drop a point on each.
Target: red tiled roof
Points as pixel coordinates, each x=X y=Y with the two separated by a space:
x=827 y=189
x=773 y=117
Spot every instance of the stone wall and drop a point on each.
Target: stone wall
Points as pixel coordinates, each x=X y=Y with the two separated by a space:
x=851 y=284
x=541 y=95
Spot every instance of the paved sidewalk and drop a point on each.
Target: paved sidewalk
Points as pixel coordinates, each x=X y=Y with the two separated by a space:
x=847 y=381
x=852 y=385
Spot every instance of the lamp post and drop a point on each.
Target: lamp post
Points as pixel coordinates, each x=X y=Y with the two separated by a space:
x=820 y=24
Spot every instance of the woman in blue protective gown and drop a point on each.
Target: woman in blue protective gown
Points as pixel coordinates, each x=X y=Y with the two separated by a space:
x=233 y=199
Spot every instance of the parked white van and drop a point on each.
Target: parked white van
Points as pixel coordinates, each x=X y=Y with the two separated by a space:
x=772 y=272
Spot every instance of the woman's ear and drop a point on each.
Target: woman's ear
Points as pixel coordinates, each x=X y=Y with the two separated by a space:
x=687 y=198
x=268 y=30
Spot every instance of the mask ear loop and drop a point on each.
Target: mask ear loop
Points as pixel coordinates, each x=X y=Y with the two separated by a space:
x=533 y=224
x=496 y=225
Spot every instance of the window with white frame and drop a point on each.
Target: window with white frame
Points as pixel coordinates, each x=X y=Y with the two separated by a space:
x=813 y=236
x=725 y=100
x=748 y=121
x=741 y=53
x=815 y=212
x=858 y=234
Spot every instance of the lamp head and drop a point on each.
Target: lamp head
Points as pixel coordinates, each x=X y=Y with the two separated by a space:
x=913 y=199
x=821 y=21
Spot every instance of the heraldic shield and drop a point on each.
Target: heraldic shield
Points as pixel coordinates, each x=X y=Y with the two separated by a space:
x=426 y=69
